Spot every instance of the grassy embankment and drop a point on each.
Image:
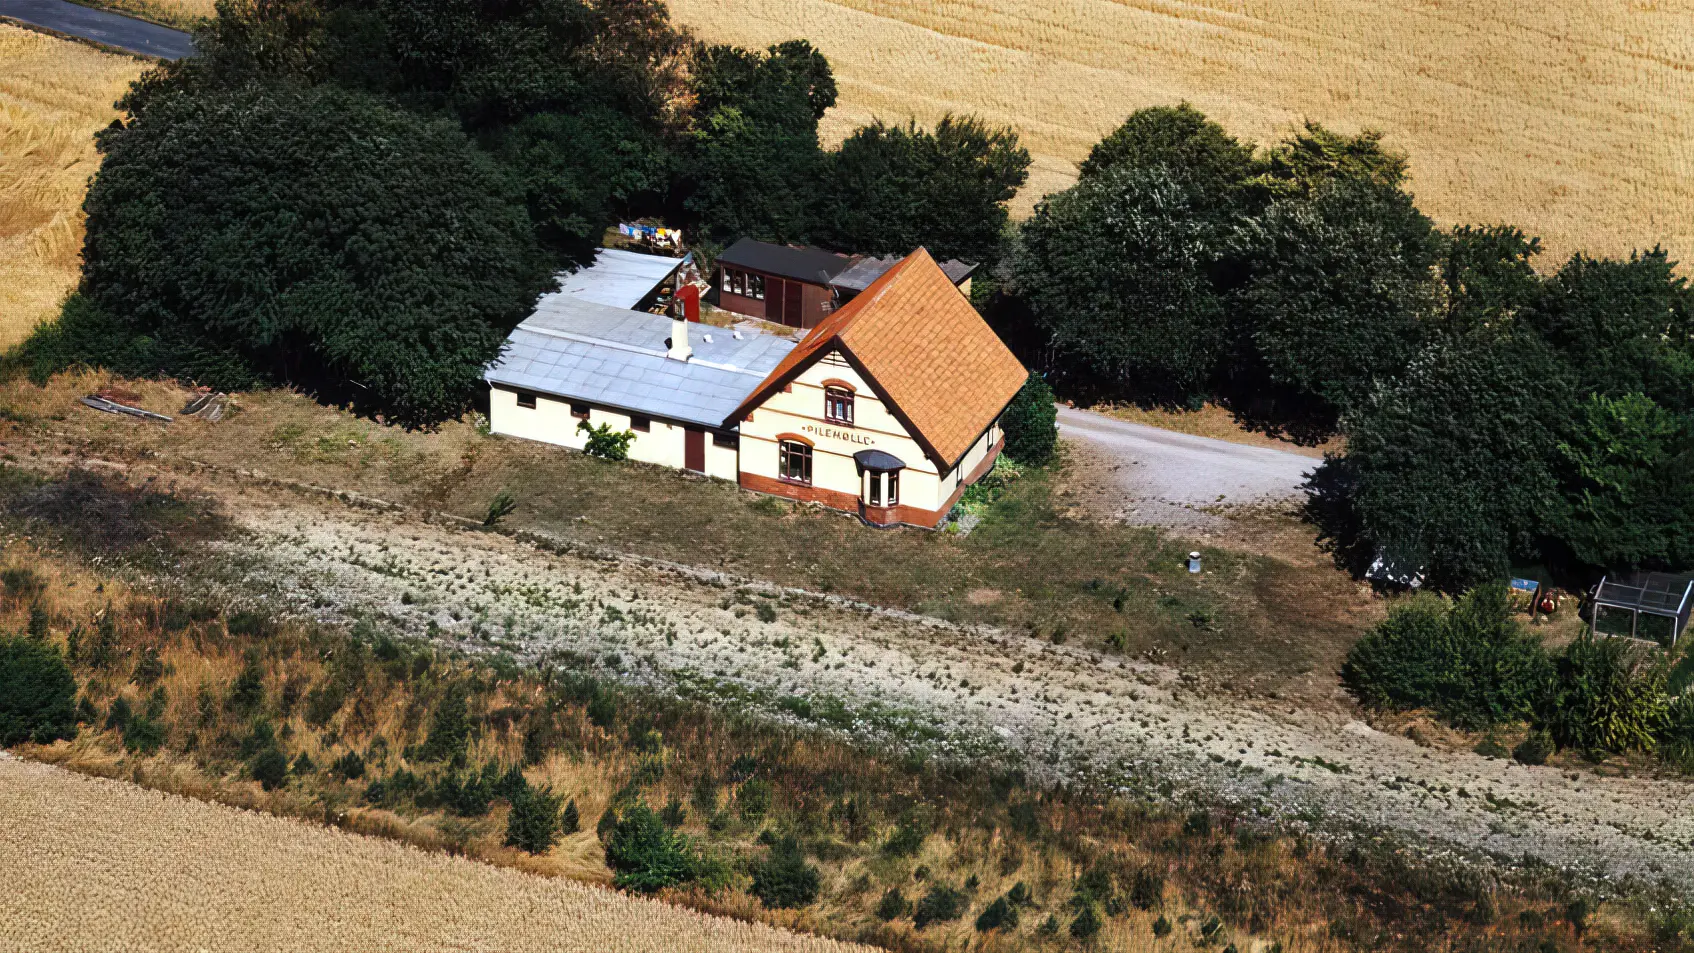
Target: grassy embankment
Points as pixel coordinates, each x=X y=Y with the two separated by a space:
x=214 y=686
x=1259 y=623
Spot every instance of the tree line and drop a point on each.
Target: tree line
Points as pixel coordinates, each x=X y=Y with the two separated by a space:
x=1493 y=415
x=362 y=197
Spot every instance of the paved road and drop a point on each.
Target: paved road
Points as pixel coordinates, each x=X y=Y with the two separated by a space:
x=112 y=29
x=1158 y=477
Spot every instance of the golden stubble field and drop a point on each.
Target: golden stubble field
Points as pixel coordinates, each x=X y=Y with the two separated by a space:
x=98 y=864
x=54 y=95
x=1572 y=119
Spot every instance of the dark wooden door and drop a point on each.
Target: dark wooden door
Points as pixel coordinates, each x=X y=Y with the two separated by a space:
x=774 y=300
x=793 y=313
x=694 y=449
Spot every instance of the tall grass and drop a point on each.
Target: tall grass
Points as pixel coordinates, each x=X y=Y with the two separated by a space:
x=1567 y=118
x=54 y=95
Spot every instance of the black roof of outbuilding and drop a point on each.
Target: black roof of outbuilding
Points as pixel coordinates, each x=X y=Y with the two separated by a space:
x=867 y=270
x=812 y=265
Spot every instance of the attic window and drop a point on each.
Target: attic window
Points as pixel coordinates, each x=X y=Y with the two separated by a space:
x=641 y=424
x=838 y=405
x=579 y=411
x=526 y=400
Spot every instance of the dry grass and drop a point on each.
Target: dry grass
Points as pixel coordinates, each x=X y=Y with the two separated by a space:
x=181 y=14
x=54 y=95
x=107 y=865
x=1569 y=118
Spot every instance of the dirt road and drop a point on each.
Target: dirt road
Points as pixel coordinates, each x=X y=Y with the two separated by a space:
x=1060 y=711
x=1155 y=477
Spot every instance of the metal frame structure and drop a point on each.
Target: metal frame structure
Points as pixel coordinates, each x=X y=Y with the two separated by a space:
x=1648 y=593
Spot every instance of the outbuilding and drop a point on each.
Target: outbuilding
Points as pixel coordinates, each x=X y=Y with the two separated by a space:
x=781 y=284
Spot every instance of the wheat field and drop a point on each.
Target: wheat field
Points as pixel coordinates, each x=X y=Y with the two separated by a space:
x=93 y=864
x=1572 y=119
x=54 y=95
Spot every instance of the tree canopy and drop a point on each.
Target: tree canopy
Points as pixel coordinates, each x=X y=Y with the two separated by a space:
x=1183 y=140
x=311 y=236
x=889 y=189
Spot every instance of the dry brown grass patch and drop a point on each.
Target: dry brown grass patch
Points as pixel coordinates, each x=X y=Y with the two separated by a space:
x=54 y=95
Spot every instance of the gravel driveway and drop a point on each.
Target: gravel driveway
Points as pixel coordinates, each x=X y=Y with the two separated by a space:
x=1155 y=477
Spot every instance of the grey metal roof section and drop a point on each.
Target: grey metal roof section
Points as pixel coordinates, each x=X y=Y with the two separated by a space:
x=813 y=265
x=866 y=270
x=619 y=278
x=577 y=349
x=879 y=460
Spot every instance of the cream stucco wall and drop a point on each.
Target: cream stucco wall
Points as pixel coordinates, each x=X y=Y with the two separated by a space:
x=551 y=422
x=800 y=411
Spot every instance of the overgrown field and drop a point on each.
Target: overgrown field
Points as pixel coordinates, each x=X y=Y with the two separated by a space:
x=377 y=731
x=54 y=95
x=1568 y=119
x=100 y=864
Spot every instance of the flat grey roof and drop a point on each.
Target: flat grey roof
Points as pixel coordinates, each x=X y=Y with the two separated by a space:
x=619 y=278
x=580 y=350
x=812 y=265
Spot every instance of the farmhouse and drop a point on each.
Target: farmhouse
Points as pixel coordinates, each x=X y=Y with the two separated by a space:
x=888 y=408
x=799 y=287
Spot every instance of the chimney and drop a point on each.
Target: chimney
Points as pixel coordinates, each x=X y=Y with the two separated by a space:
x=678 y=344
x=689 y=295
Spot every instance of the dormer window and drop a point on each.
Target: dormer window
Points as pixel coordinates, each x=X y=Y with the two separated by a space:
x=838 y=405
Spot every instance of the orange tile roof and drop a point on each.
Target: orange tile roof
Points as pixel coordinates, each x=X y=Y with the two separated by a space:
x=941 y=368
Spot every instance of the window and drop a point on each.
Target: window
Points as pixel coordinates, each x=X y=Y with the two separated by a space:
x=721 y=438
x=640 y=424
x=893 y=478
x=794 y=462
x=579 y=411
x=838 y=405
x=744 y=283
x=885 y=487
x=526 y=399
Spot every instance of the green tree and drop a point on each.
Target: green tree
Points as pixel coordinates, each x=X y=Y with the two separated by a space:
x=1487 y=275
x=37 y=693
x=1185 y=142
x=450 y=729
x=606 y=443
x=1118 y=274
x=646 y=855
x=1624 y=471
x=1449 y=467
x=533 y=825
x=1317 y=157
x=753 y=160
x=1339 y=292
x=1030 y=423
x=889 y=189
x=783 y=880
x=246 y=236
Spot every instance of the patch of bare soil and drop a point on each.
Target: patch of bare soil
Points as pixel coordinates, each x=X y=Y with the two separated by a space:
x=1063 y=713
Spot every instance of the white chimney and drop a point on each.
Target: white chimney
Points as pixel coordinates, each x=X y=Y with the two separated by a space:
x=680 y=351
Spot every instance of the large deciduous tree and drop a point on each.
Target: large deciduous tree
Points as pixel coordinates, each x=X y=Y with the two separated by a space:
x=317 y=237
x=889 y=189
x=1183 y=140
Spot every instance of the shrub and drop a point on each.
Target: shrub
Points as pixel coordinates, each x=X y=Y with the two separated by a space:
x=606 y=443
x=270 y=768
x=908 y=837
x=37 y=694
x=450 y=729
x=784 y=880
x=1535 y=749
x=1470 y=662
x=893 y=905
x=533 y=825
x=119 y=715
x=1147 y=888
x=1608 y=697
x=349 y=766
x=1086 y=924
x=754 y=799
x=500 y=507
x=1002 y=913
x=570 y=821
x=247 y=695
x=303 y=765
x=144 y=735
x=941 y=904
x=22 y=583
x=1162 y=927
x=1031 y=423
x=645 y=854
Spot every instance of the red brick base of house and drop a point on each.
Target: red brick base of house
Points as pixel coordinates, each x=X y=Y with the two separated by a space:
x=874 y=515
